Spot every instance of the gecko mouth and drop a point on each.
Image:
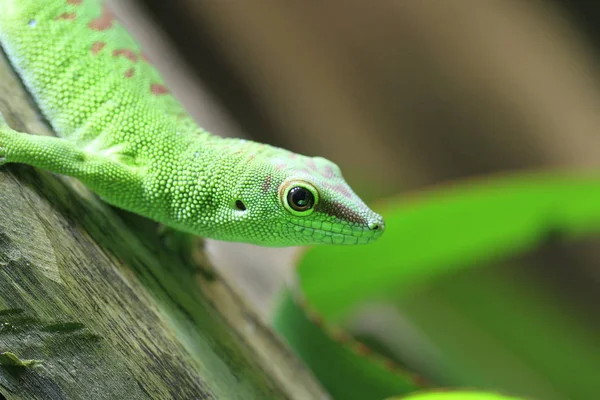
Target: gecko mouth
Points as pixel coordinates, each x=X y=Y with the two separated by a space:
x=357 y=235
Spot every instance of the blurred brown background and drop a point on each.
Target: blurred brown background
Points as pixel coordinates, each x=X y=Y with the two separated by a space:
x=402 y=95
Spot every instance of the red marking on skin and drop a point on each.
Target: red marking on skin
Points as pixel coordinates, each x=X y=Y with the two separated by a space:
x=304 y=170
x=311 y=165
x=344 y=191
x=158 y=89
x=328 y=172
x=97 y=47
x=129 y=73
x=267 y=184
x=130 y=55
x=341 y=189
x=74 y=2
x=340 y=211
x=66 y=16
x=104 y=21
x=362 y=349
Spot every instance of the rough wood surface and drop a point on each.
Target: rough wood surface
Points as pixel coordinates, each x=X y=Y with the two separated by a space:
x=108 y=311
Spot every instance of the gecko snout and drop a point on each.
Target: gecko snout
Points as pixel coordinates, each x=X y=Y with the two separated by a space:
x=376 y=225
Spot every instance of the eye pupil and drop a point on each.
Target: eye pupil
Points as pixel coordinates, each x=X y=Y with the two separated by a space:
x=301 y=199
x=240 y=205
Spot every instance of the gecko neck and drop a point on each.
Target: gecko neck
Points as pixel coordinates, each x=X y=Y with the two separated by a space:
x=195 y=196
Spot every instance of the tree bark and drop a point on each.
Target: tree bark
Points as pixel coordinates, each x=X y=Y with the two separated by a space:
x=107 y=310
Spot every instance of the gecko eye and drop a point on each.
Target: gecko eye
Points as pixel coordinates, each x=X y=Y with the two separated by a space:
x=300 y=198
x=240 y=205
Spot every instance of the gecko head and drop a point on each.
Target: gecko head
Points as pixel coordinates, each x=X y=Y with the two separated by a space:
x=303 y=201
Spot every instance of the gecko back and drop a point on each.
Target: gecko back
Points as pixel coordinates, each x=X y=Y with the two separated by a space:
x=84 y=70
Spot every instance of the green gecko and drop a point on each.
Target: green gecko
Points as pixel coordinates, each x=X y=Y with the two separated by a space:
x=130 y=141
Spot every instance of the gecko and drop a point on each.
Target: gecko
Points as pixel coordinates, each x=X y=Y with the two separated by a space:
x=123 y=134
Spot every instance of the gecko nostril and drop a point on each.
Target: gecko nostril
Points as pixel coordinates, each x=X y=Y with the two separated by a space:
x=374 y=226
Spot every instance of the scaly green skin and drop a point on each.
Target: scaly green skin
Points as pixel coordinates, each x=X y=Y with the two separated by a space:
x=124 y=136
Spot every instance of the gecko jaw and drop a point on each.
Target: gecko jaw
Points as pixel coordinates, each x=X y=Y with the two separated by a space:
x=357 y=235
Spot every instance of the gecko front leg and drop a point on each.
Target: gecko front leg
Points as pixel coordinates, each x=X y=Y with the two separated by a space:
x=105 y=176
x=102 y=174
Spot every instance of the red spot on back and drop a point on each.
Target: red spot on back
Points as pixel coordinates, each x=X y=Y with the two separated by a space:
x=97 y=47
x=104 y=21
x=266 y=184
x=130 y=55
x=157 y=89
x=66 y=16
x=129 y=73
x=74 y=2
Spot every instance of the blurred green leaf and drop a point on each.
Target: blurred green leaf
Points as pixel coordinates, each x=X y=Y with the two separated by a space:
x=455 y=395
x=427 y=236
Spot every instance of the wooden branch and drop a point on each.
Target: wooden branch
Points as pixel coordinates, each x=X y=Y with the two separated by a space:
x=93 y=306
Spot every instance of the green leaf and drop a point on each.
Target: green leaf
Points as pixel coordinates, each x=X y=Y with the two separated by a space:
x=456 y=395
x=427 y=235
